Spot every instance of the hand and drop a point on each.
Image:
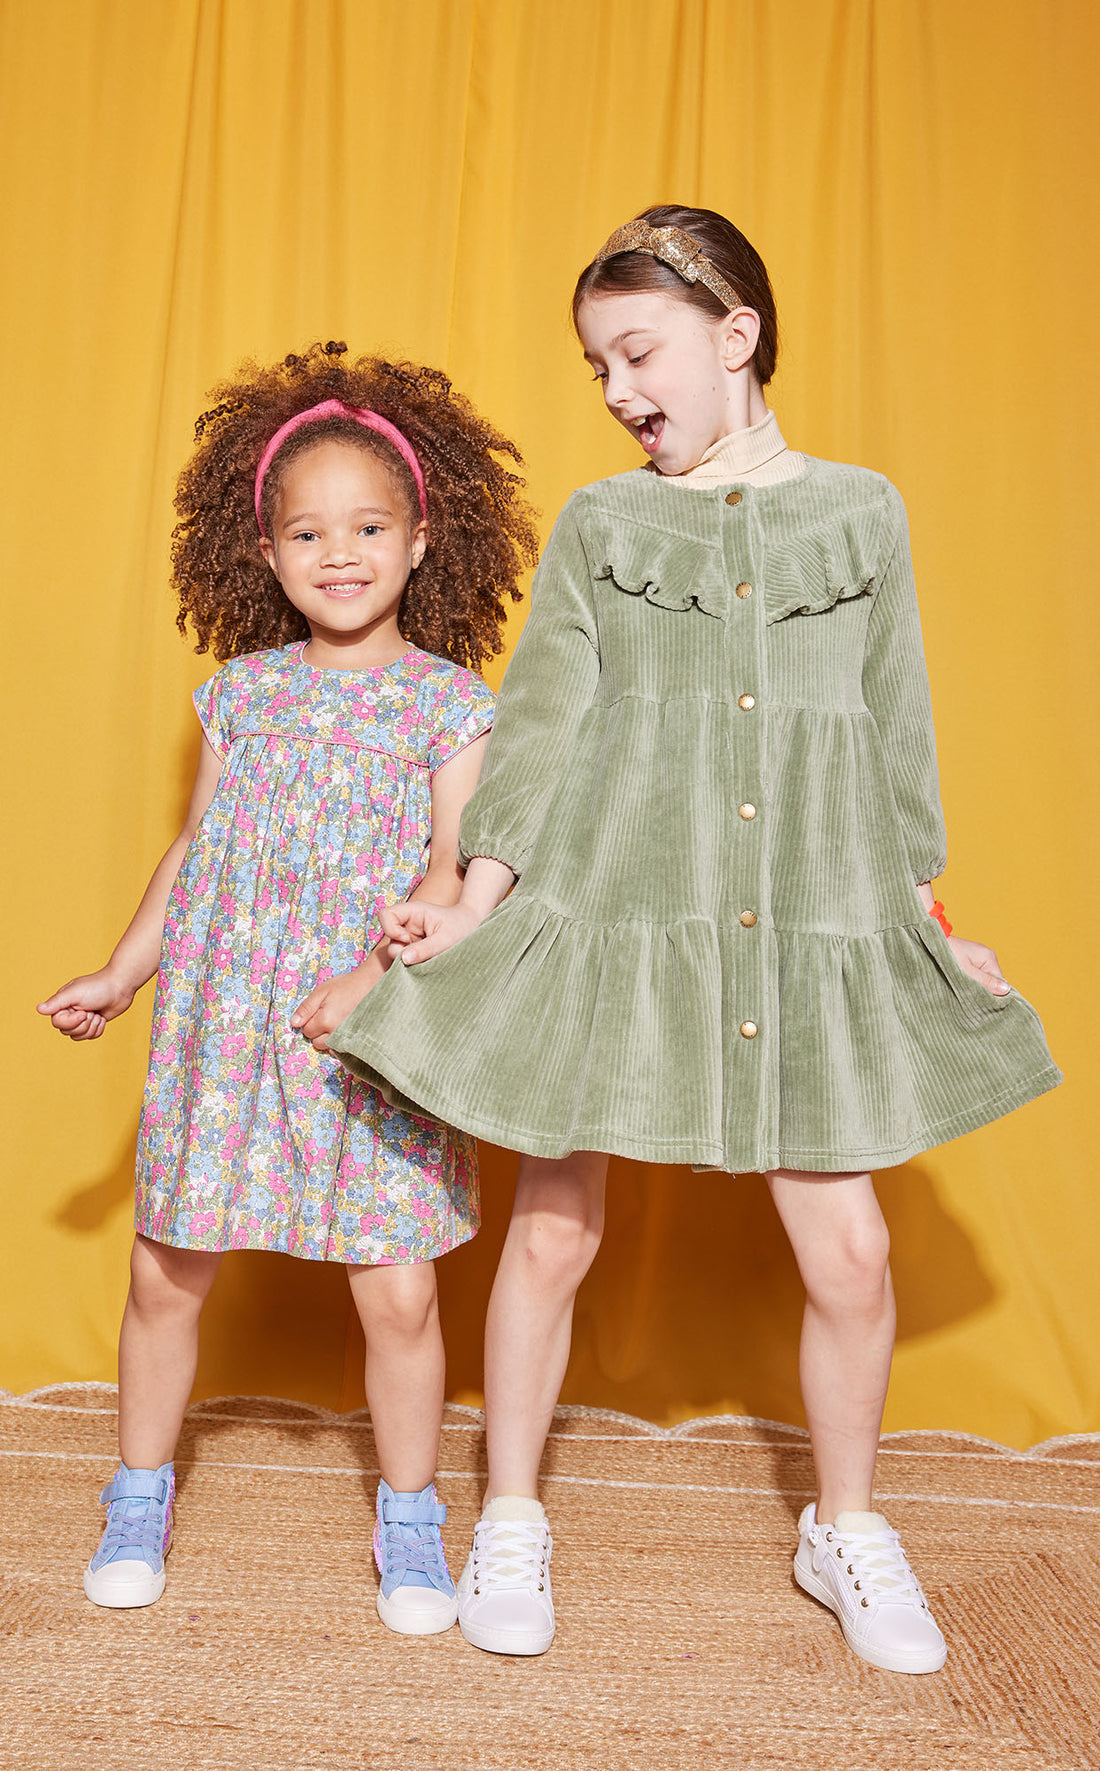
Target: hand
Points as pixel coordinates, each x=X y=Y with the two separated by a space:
x=327 y=1004
x=422 y=930
x=83 y=1006
x=981 y=963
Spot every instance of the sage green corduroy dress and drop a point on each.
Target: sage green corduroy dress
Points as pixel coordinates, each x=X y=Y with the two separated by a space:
x=713 y=773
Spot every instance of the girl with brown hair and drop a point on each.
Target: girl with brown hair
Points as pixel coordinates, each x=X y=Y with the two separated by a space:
x=697 y=924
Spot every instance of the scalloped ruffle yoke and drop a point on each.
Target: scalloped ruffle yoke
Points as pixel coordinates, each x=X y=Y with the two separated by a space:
x=835 y=556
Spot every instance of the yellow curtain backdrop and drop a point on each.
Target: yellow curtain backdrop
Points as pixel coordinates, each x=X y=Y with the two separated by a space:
x=195 y=181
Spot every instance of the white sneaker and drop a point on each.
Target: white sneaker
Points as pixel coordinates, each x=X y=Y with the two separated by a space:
x=505 y=1603
x=858 y=1568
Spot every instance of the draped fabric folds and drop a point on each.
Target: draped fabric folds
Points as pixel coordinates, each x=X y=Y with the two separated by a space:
x=205 y=180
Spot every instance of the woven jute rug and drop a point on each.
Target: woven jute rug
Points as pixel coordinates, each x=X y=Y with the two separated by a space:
x=682 y=1642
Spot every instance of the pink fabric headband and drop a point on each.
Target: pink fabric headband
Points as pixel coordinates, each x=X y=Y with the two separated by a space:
x=337 y=409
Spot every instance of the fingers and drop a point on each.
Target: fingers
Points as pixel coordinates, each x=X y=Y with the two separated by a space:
x=402 y=922
x=308 y=1007
x=427 y=948
x=982 y=963
x=311 y=1020
x=69 y=1018
x=77 y=1024
x=989 y=974
x=60 y=999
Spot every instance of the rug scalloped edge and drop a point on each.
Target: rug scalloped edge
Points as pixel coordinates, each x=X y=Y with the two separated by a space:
x=290 y=1409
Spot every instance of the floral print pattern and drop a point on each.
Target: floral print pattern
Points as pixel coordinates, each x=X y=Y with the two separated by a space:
x=249 y=1138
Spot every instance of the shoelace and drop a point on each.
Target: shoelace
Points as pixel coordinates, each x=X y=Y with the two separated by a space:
x=511 y=1553
x=133 y=1525
x=413 y=1549
x=877 y=1559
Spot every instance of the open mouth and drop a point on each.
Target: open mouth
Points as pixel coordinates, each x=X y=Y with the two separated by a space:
x=648 y=430
x=348 y=588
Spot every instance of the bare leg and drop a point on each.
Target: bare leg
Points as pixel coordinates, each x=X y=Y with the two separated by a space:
x=842 y=1247
x=405 y=1369
x=557 y=1222
x=158 y=1347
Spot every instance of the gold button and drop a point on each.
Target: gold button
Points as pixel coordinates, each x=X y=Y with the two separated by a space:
x=733 y=497
x=744 y=590
x=747 y=919
x=748 y=1029
x=746 y=703
x=747 y=811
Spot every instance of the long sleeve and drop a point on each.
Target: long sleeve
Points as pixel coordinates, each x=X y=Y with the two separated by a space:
x=895 y=688
x=548 y=687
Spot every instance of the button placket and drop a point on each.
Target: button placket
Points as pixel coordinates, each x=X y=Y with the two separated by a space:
x=747 y=873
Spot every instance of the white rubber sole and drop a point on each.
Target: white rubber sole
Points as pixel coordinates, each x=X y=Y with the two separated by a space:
x=417 y=1619
x=123 y=1593
x=918 y=1662
x=522 y=1642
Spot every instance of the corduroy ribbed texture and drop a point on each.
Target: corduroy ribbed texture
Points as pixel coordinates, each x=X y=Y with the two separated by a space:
x=715 y=952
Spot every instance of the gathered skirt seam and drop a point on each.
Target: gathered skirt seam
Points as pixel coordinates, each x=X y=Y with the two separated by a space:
x=719 y=922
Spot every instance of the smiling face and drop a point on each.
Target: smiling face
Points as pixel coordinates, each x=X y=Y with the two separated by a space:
x=675 y=379
x=342 y=546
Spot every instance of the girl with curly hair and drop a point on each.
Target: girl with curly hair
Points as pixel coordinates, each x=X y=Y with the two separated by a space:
x=347 y=543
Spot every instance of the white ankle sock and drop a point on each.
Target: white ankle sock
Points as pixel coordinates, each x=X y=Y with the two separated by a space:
x=513 y=1506
x=865 y=1522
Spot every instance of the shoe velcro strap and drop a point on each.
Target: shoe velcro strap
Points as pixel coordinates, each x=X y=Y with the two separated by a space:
x=413 y=1512
x=136 y=1485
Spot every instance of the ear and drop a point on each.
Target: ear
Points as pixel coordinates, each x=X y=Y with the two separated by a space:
x=419 y=544
x=740 y=332
x=267 y=548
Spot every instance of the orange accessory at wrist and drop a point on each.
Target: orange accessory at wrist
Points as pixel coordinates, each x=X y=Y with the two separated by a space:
x=937 y=912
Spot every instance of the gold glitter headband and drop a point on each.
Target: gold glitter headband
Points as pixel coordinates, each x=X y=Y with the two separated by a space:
x=676 y=248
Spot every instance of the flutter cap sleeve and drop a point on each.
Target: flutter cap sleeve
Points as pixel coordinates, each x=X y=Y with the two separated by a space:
x=895 y=689
x=464 y=712
x=213 y=704
x=548 y=687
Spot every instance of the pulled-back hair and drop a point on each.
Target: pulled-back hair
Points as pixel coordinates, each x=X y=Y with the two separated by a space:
x=729 y=252
x=480 y=529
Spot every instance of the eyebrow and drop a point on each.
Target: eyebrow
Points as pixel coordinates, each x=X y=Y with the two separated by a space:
x=632 y=332
x=365 y=510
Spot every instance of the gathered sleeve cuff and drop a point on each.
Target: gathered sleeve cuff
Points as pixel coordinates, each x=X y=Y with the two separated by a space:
x=212 y=707
x=466 y=715
x=548 y=687
x=895 y=689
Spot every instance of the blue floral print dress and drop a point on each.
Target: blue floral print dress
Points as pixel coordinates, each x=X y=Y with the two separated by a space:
x=249 y=1138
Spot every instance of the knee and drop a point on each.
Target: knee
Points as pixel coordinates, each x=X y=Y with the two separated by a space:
x=850 y=1274
x=398 y=1303
x=559 y=1247
x=167 y=1281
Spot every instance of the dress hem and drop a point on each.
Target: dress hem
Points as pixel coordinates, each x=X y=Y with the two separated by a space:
x=711 y=1157
x=296 y=1254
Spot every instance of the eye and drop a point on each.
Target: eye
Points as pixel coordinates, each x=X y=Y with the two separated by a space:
x=306 y=535
x=634 y=361
x=600 y=375
x=371 y=529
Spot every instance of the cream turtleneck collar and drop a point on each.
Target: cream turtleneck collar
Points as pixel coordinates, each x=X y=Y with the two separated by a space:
x=757 y=455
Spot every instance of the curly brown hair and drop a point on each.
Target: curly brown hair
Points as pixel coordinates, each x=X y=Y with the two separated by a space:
x=481 y=530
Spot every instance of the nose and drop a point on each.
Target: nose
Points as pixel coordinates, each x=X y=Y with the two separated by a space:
x=342 y=550
x=617 y=390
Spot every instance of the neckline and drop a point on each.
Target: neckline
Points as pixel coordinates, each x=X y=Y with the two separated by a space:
x=360 y=670
x=685 y=487
x=745 y=450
